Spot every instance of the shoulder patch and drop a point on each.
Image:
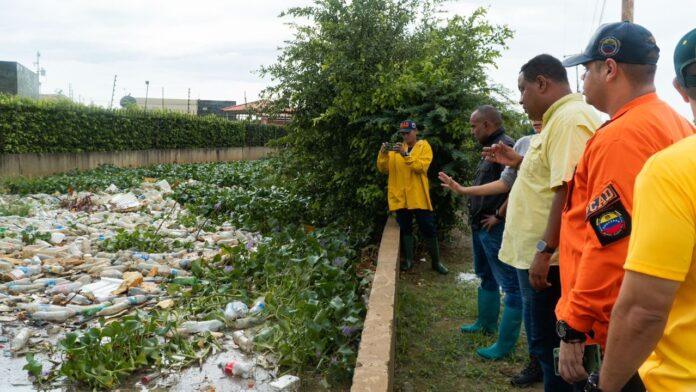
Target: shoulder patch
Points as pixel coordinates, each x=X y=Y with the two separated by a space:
x=605 y=198
x=611 y=224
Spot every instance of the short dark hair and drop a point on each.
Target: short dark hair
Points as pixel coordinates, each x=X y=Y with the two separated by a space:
x=490 y=113
x=544 y=65
x=639 y=74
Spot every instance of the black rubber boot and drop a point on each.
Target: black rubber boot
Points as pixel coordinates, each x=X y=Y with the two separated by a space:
x=407 y=247
x=434 y=251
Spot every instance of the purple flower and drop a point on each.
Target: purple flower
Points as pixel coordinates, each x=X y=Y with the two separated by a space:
x=318 y=353
x=229 y=268
x=339 y=262
x=347 y=331
x=250 y=245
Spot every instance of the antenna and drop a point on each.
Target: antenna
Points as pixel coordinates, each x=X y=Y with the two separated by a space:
x=147 y=90
x=39 y=71
x=113 y=91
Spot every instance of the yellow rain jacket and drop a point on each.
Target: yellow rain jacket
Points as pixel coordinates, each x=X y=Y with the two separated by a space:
x=408 y=177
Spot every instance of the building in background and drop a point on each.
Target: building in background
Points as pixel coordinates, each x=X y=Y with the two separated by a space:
x=256 y=111
x=200 y=107
x=16 y=79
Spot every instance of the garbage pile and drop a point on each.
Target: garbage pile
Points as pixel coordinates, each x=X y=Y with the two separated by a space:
x=56 y=270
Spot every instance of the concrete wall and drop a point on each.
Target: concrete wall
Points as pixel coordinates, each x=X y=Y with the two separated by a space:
x=374 y=369
x=32 y=165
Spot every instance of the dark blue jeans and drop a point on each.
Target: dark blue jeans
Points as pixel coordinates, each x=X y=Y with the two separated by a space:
x=494 y=273
x=526 y=292
x=544 y=338
x=424 y=218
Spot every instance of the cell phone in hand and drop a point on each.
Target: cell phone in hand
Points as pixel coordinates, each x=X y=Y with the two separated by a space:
x=591 y=358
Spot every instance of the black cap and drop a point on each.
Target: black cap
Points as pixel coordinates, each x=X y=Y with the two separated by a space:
x=624 y=42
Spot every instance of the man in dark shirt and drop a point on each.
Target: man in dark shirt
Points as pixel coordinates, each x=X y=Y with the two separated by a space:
x=487 y=232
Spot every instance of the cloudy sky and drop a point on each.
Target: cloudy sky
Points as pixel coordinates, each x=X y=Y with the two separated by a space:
x=214 y=47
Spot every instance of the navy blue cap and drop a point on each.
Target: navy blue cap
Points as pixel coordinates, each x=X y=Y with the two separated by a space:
x=625 y=42
x=407 y=126
x=684 y=56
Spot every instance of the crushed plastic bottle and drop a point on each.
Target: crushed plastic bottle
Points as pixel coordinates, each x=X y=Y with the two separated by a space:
x=241 y=340
x=58 y=315
x=20 y=340
x=24 y=272
x=53 y=269
x=201 y=326
x=235 y=310
x=259 y=306
x=113 y=309
x=65 y=288
x=247 y=322
x=237 y=368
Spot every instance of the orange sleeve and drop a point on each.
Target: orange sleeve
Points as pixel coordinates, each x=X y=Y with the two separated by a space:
x=613 y=167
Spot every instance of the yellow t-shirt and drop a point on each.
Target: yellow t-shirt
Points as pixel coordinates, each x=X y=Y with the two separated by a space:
x=407 y=185
x=549 y=162
x=663 y=244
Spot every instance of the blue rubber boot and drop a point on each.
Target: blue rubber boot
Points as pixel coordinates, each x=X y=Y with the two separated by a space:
x=507 y=335
x=488 y=310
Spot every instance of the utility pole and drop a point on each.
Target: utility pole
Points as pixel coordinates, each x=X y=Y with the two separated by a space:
x=113 y=92
x=147 y=90
x=39 y=71
x=162 y=98
x=188 y=102
x=627 y=10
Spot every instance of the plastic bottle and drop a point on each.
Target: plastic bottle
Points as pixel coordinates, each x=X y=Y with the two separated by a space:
x=259 y=306
x=24 y=288
x=90 y=310
x=65 y=288
x=111 y=273
x=113 y=309
x=150 y=377
x=24 y=272
x=80 y=300
x=201 y=326
x=242 y=341
x=237 y=368
x=185 y=280
x=247 y=322
x=235 y=310
x=35 y=307
x=58 y=315
x=50 y=282
x=6 y=266
x=53 y=269
x=133 y=299
x=20 y=340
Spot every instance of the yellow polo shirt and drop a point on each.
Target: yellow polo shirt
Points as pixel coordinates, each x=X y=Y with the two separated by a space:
x=407 y=185
x=663 y=244
x=549 y=162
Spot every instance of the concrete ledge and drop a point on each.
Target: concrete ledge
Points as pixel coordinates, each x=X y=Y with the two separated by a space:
x=374 y=369
x=32 y=165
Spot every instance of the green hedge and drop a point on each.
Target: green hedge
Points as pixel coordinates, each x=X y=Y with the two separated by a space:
x=64 y=126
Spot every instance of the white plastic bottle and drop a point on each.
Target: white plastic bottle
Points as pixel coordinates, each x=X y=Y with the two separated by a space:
x=58 y=315
x=200 y=326
x=235 y=310
x=20 y=340
x=241 y=340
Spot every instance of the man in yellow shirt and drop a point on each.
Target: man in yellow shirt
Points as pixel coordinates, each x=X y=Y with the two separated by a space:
x=407 y=165
x=535 y=203
x=653 y=322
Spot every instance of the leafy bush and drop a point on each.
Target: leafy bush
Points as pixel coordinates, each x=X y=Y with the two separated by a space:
x=354 y=70
x=63 y=126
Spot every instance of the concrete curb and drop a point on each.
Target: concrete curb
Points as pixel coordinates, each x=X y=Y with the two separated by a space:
x=374 y=369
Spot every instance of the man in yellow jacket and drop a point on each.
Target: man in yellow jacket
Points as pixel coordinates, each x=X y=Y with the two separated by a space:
x=409 y=192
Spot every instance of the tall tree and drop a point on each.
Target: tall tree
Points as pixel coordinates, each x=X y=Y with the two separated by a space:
x=356 y=69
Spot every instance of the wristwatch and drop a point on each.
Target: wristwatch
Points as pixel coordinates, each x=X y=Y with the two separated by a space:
x=497 y=215
x=592 y=384
x=543 y=247
x=568 y=334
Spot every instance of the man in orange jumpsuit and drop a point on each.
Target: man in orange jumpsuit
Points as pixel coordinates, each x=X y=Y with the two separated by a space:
x=620 y=64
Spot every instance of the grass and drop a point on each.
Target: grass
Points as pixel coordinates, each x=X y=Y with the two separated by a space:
x=431 y=353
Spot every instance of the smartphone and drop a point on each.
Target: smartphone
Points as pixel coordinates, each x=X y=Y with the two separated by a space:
x=591 y=359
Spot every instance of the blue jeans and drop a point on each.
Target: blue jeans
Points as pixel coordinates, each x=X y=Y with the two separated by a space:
x=494 y=273
x=424 y=218
x=526 y=292
x=544 y=338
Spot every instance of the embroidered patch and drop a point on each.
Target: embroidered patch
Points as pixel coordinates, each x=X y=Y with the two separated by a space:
x=611 y=224
x=609 y=46
x=608 y=196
